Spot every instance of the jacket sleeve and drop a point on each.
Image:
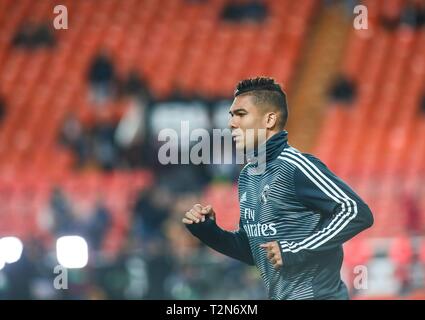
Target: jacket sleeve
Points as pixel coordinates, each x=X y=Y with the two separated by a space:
x=344 y=212
x=232 y=244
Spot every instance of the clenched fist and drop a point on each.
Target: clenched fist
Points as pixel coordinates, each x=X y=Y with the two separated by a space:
x=273 y=253
x=198 y=213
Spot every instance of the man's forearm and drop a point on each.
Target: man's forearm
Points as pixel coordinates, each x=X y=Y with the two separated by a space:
x=232 y=244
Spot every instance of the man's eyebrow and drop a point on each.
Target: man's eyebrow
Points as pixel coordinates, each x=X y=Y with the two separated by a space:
x=239 y=110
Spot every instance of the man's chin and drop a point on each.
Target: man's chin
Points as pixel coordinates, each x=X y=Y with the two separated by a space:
x=240 y=147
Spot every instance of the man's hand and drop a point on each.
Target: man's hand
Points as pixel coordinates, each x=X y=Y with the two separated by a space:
x=198 y=213
x=273 y=253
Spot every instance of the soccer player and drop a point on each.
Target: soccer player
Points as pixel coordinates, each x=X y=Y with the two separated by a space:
x=295 y=216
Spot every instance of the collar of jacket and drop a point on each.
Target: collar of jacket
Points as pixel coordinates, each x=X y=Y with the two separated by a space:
x=276 y=144
x=273 y=146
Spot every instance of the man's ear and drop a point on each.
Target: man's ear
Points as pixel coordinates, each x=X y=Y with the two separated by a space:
x=271 y=120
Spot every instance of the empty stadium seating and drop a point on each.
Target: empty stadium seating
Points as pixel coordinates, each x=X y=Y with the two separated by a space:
x=175 y=44
x=378 y=143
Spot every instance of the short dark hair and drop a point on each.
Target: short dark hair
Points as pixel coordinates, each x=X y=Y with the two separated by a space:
x=265 y=91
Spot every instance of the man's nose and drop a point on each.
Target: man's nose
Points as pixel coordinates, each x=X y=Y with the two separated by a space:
x=232 y=124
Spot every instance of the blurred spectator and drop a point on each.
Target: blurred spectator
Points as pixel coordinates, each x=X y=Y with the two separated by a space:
x=196 y=1
x=63 y=221
x=413 y=14
x=2 y=108
x=90 y=220
x=101 y=77
x=131 y=135
x=107 y=145
x=23 y=36
x=390 y=16
x=134 y=85
x=413 y=214
x=112 y=277
x=98 y=225
x=343 y=90
x=160 y=265
x=94 y=145
x=104 y=147
x=24 y=276
x=195 y=177
x=149 y=214
x=348 y=5
x=43 y=36
x=422 y=103
x=32 y=36
x=72 y=136
x=246 y=10
x=138 y=154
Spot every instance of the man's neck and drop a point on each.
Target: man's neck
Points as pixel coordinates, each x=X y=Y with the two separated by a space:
x=271 y=133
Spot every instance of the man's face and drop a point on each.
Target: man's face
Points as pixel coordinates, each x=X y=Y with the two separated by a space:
x=244 y=115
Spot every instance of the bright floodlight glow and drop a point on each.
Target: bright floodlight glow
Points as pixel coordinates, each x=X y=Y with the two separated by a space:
x=2 y=263
x=10 y=249
x=72 y=252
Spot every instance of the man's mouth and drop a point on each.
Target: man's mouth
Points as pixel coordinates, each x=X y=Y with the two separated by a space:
x=235 y=136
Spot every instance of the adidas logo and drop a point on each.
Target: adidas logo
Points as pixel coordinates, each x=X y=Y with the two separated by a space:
x=243 y=198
